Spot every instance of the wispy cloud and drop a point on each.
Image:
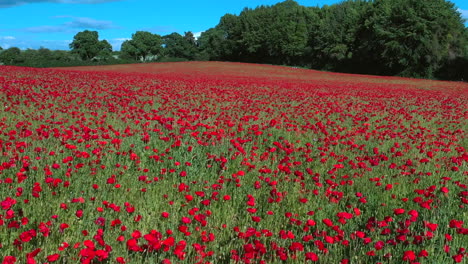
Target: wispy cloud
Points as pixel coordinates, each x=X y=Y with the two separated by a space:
x=45 y=29
x=76 y=23
x=86 y=22
x=11 y=3
x=7 y=38
x=116 y=43
x=197 y=34
x=160 y=29
x=22 y=43
x=464 y=13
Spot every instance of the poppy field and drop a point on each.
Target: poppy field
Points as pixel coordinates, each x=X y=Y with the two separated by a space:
x=210 y=162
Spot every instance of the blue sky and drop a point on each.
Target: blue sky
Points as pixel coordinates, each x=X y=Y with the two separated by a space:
x=53 y=23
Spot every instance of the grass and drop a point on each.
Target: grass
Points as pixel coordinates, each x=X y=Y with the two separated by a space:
x=227 y=162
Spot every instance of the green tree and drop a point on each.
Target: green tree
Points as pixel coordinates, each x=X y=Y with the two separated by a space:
x=61 y=56
x=87 y=46
x=190 y=38
x=270 y=34
x=106 y=50
x=44 y=53
x=30 y=57
x=178 y=46
x=333 y=36
x=210 y=44
x=231 y=28
x=142 y=46
x=11 y=56
x=412 y=37
x=289 y=32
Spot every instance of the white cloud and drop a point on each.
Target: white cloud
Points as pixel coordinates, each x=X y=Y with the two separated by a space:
x=76 y=23
x=116 y=43
x=28 y=43
x=464 y=13
x=31 y=43
x=197 y=34
x=46 y=29
x=86 y=22
x=5 y=41
x=11 y=3
x=160 y=29
x=83 y=1
x=121 y=39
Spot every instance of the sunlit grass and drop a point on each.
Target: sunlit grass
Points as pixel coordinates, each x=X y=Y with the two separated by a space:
x=201 y=164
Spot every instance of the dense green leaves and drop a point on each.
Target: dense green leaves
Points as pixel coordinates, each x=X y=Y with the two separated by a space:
x=413 y=37
x=211 y=44
x=87 y=45
x=390 y=37
x=278 y=34
x=10 y=56
x=416 y=38
x=143 y=46
x=333 y=38
x=178 y=46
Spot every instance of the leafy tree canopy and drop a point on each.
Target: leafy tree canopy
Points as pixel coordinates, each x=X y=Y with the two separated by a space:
x=415 y=38
x=86 y=44
x=178 y=46
x=142 y=45
x=10 y=56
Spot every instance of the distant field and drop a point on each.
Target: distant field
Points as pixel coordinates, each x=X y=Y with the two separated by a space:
x=260 y=71
x=213 y=162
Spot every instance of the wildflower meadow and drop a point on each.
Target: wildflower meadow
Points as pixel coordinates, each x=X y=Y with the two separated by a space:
x=211 y=162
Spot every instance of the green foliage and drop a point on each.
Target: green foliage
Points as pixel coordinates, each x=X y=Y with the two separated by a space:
x=143 y=46
x=403 y=37
x=211 y=44
x=10 y=56
x=106 y=50
x=277 y=34
x=87 y=46
x=414 y=38
x=43 y=57
x=172 y=59
x=454 y=69
x=178 y=46
x=333 y=37
x=232 y=36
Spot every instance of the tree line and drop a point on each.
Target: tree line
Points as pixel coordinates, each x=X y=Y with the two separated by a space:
x=413 y=38
x=88 y=49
